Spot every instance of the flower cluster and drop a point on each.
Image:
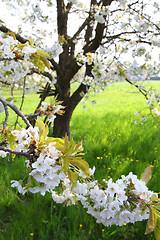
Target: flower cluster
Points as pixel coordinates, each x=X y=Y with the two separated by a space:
x=119 y=202
x=11 y=54
x=50 y=109
x=54 y=169
x=17 y=59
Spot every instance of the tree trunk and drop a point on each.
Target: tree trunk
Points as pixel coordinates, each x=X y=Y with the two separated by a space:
x=62 y=124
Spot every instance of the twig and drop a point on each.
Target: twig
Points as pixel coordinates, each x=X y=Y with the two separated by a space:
x=16 y=110
x=18 y=37
x=12 y=195
x=24 y=84
x=143 y=91
x=23 y=201
x=6 y=115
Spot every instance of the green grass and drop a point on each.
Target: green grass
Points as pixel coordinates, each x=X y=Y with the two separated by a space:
x=113 y=143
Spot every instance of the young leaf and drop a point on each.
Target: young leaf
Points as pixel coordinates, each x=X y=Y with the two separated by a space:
x=38 y=63
x=82 y=165
x=21 y=45
x=31 y=41
x=9 y=99
x=151 y=224
x=157 y=228
x=43 y=130
x=59 y=142
x=65 y=164
x=146 y=175
x=66 y=144
x=45 y=61
x=12 y=34
x=41 y=127
x=157 y=231
x=42 y=53
x=72 y=177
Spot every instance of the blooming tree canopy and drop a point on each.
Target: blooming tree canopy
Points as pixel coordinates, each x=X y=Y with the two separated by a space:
x=105 y=40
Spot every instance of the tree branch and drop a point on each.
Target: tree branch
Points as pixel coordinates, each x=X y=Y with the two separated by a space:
x=6 y=115
x=26 y=154
x=54 y=64
x=16 y=110
x=45 y=74
x=96 y=42
x=22 y=101
x=84 y=24
x=143 y=91
x=18 y=37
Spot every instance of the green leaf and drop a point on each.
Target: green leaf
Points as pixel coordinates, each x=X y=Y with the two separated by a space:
x=31 y=41
x=157 y=228
x=41 y=127
x=1 y=21
x=59 y=142
x=45 y=61
x=9 y=99
x=72 y=177
x=21 y=45
x=157 y=207
x=151 y=224
x=11 y=34
x=42 y=53
x=146 y=175
x=66 y=144
x=11 y=140
x=43 y=130
x=157 y=232
x=38 y=63
x=82 y=165
x=154 y=198
x=65 y=164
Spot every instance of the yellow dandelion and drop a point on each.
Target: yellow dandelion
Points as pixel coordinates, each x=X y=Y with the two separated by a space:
x=31 y=234
x=109 y=177
x=109 y=153
x=127 y=158
x=155 y=160
x=151 y=166
x=155 y=148
x=104 y=149
x=104 y=166
x=98 y=157
x=109 y=168
x=101 y=132
x=119 y=134
x=80 y=225
x=132 y=160
x=124 y=224
x=101 y=157
x=120 y=162
x=137 y=160
x=102 y=230
x=106 y=156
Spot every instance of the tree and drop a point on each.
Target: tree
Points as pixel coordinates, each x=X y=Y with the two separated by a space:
x=55 y=165
x=105 y=30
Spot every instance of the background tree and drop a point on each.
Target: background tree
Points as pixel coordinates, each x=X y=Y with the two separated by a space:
x=91 y=38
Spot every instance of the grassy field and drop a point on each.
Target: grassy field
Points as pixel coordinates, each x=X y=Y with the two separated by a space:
x=112 y=142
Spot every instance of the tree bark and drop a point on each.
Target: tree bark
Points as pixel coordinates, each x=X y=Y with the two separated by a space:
x=68 y=66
